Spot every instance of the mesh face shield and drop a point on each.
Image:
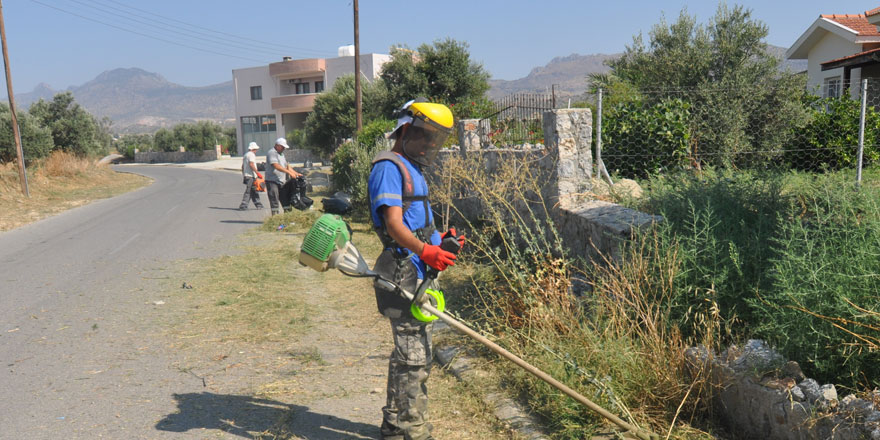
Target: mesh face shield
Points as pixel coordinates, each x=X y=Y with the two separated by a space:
x=423 y=139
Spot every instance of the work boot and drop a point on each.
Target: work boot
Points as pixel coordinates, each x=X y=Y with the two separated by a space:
x=259 y=206
x=242 y=208
x=388 y=432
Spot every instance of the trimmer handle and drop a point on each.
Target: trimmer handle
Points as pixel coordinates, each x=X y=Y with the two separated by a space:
x=449 y=244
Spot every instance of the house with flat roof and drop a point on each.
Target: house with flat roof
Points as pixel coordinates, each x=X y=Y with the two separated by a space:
x=272 y=100
x=840 y=50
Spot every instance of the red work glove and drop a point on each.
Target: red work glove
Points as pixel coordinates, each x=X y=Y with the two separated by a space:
x=451 y=233
x=259 y=175
x=437 y=258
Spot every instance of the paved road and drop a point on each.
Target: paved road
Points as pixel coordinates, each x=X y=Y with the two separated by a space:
x=80 y=357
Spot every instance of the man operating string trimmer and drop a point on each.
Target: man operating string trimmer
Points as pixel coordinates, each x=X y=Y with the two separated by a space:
x=402 y=217
x=413 y=251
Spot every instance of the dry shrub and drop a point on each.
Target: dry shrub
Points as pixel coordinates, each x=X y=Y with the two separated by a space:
x=63 y=164
x=633 y=300
x=616 y=344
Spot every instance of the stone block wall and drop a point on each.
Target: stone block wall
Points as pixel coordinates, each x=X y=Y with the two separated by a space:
x=299 y=155
x=761 y=396
x=591 y=228
x=176 y=156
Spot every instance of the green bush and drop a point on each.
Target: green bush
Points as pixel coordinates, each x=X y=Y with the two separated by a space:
x=791 y=259
x=640 y=140
x=830 y=140
x=73 y=128
x=822 y=308
x=36 y=139
x=351 y=170
x=721 y=226
x=128 y=143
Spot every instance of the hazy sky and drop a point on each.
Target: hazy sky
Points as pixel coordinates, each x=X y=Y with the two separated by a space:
x=199 y=42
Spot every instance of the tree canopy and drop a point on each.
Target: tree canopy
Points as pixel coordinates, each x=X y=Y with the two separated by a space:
x=333 y=117
x=740 y=100
x=442 y=71
x=73 y=128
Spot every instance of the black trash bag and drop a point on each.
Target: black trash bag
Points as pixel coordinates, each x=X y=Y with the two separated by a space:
x=339 y=204
x=293 y=195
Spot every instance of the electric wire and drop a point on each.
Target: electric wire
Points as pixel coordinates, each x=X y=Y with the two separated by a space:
x=147 y=35
x=302 y=49
x=191 y=30
x=177 y=30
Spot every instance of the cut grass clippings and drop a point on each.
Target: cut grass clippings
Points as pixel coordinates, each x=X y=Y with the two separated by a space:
x=58 y=183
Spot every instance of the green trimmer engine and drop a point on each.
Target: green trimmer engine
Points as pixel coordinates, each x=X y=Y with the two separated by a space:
x=328 y=246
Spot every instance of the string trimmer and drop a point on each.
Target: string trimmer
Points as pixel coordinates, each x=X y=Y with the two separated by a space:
x=328 y=246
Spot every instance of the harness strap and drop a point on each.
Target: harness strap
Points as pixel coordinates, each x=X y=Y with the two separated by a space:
x=407 y=197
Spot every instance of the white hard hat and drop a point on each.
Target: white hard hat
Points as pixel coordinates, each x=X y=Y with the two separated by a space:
x=253 y=146
x=282 y=142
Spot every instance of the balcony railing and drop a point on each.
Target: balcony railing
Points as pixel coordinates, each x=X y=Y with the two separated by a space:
x=297 y=68
x=294 y=103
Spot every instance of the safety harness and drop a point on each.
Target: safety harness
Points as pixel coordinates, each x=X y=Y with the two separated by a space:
x=408 y=197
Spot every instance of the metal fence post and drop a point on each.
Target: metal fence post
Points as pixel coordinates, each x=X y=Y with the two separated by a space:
x=862 y=131
x=600 y=166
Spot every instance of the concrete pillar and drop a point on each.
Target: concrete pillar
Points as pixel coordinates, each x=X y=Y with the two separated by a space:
x=568 y=137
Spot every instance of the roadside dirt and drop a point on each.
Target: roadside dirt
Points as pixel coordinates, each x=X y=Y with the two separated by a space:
x=319 y=372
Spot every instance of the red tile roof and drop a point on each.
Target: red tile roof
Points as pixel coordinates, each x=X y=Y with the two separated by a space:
x=874 y=11
x=856 y=22
x=855 y=55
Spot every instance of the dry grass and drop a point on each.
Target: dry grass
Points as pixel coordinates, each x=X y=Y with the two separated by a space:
x=290 y=319
x=60 y=182
x=617 y=344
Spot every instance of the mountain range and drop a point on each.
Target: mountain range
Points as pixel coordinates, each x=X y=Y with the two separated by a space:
x=138 y=101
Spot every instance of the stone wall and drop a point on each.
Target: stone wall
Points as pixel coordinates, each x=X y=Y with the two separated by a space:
x=298 y=155
x=591 y=228
x=761 y=396
x=176 y=156
x=588 y=226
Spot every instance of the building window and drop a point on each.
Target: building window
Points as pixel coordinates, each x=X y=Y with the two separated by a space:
x=319 y=86
x=302 y=88
x=831 y=88
x=256 y=93
x=257 y=124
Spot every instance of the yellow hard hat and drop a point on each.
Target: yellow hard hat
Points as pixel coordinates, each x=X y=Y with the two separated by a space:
x=430 y=124
x=433 y=113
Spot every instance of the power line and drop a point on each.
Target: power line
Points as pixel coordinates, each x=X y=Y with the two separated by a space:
x=302 y=49
x=176 y=30
x=147 y=35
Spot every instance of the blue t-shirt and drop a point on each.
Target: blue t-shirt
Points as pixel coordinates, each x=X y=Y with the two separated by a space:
x=386 y=189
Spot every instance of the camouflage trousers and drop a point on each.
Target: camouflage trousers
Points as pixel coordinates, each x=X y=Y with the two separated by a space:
x=406 y=406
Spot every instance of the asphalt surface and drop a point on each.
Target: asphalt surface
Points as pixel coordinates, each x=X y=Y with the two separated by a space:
x=80 y=357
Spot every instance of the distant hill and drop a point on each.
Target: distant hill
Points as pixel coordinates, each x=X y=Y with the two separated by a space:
x=140 y=102
x=570 y=74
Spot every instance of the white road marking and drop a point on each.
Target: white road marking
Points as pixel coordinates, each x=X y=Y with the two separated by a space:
x=130 y=239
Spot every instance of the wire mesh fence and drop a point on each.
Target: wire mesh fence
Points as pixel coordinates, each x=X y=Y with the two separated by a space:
x=666 y=130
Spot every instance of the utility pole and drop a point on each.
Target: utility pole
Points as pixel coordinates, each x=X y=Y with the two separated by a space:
x=22 y=175
x=357 y=70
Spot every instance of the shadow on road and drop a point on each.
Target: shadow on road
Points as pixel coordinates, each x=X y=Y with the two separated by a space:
x=248 y=222
x=228 y=209
x=252 y=417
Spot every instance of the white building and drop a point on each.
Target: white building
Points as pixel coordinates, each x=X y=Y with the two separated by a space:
x=275 y=99
x=839 y=49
